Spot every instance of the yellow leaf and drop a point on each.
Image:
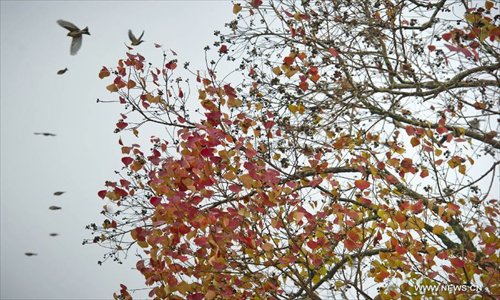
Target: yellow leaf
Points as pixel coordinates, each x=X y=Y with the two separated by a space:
x=301 y=108
x=267 y=247
x=112 y=88
x=247 y=181
x=472 y=18
x=230 y=175
x=290 y=72
x=258 y=106
x=236 y=8
x=488 y=5
x=277 y=71
x=202 y=95
x=293 y=108
x=383 y=215
x=233 y=102
x=183 y=287
x=462 y=169
x=438 y=229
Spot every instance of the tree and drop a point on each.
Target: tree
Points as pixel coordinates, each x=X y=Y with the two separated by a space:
x=353 y=156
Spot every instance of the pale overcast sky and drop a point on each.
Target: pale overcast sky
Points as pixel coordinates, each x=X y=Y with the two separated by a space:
x=85 y=151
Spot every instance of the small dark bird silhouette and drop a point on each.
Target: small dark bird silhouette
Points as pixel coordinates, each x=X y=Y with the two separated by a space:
x=53 y=207
x=62 y=71
x=75 y=33
x=44 y=133
x=30 y=254
x=59 y=193
x=135 y=41
x=54 y=234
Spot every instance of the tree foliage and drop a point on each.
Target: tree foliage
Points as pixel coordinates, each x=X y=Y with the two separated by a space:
x=351 y=154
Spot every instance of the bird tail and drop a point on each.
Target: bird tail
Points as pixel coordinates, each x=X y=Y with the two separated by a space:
x=86 y=30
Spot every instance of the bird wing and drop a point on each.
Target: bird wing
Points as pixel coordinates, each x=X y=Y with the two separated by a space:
x=68 y=25
x=76 y=43
x=131 y=36
x=142 y=34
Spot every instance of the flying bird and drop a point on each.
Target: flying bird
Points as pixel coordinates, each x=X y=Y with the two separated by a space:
x=58 y=193
x=75 y=33
x=53 y=207
x=44 y=133
x=135 y=41
x=54 y=234
x=62 y=71
x=30 y=254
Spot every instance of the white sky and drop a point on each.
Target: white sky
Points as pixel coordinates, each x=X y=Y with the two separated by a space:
x=85 y=151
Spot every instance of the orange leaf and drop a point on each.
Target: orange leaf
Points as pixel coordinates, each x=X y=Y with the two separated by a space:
x=104 y=73
x=362 y=184
x=131 y=84
x=415 y=141
x=211 y=294
x=350 y=245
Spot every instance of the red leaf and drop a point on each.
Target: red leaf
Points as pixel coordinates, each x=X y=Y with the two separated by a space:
x=102 y=194
x=350 y=245
x=410 y=130
x=121 y=125
x=207 y=152
x=124 y=183
x=457 y=262
x=127 y=160
x=183 y=229
x=333 y=52
x=256 y=3
x=303 y=86
x=155 y=201
x=196 y=296
x=391 y=179
x=235 y=188
x=171 y=65
x=362 y=184
x=446 y=36
x=223 y=49
x=312 y=244
x=201 y=241
x=463 y=50
x=157 y=45
x=288 y=60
